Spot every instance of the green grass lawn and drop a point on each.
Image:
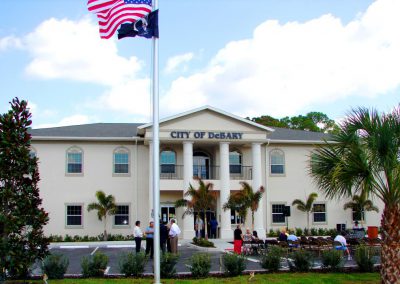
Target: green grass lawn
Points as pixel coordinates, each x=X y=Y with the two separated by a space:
x=284 y=278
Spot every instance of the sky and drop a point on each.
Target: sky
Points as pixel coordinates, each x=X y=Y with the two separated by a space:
x=261 y=57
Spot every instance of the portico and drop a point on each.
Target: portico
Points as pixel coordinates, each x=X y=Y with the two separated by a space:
x=190 y=147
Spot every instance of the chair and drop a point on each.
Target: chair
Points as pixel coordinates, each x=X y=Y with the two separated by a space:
x=247 y=248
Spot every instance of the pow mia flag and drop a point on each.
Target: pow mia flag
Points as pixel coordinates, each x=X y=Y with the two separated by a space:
x=145 y=27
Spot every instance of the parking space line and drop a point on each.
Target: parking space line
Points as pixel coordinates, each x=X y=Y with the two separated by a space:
x=74 y=247
x=107 y=269
x=121 y=246
x=92 y=253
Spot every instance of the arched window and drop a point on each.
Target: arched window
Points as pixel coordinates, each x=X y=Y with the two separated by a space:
x=168 y=162
x=74 y=160
x=121 y=161
x=235 y=162
x=277 y=162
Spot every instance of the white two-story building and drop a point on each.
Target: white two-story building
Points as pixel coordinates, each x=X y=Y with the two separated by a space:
x=76 y=161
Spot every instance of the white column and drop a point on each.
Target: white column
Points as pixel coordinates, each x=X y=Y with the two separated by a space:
x=226 y=230
x=150 y=183
x=188 y=221
x=256 y=183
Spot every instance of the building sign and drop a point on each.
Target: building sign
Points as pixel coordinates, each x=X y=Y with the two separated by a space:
x=206 y=135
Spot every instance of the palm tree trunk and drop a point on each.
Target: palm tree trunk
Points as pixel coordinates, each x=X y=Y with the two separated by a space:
x=308 y=221
x=252 y=221
x=105 y=229
x=205 y=225
x=390 y=254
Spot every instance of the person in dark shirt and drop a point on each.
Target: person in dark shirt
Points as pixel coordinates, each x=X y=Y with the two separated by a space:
x=237 y=240
x=163 y=236
x=283 y=236
x=213 y=227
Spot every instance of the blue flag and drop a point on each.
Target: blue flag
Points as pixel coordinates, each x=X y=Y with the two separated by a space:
x=145 y=27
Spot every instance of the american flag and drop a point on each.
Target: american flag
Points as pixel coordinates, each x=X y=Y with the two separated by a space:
x=112 y=13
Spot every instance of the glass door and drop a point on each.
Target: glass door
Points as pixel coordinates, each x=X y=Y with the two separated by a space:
x=201 y=166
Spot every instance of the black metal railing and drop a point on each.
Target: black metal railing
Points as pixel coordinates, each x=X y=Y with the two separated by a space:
x=237 y=172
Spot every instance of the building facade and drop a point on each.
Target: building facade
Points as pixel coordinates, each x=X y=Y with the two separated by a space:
x=76 y=161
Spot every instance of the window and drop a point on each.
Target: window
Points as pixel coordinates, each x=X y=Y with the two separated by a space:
x=319 y=212
x=277 y=213
x=235 y=162
x=235 y=217
x=277 y=161
x=167 y=213
x=357 y=215
x=74 y=161
x=121 y=216
x=121 y=161
x=168 y=162
x=74 y=215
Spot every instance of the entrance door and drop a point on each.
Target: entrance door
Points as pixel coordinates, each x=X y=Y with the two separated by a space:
x=201 y=165
x=210 y=214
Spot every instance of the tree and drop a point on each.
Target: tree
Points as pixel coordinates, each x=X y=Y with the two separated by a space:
x=22 y=218
x=201 y=199
x=364 y=157
x=306 y=206
x=105 y=206
x=360 y=204
x=245 y=199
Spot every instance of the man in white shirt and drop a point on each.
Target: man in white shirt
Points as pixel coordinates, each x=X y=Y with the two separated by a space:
x=173 y=236
x=137 y=234
x=341 y=239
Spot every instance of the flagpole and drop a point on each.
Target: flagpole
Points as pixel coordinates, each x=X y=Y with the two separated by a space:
x=156 y=155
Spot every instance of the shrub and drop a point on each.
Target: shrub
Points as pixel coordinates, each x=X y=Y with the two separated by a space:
x=332 y=259
x=302 y=261
x=272 y=259
x=233 y=264
x=68 y=238
x=299 y=231
x=200 y=265
x=271 y=233
x=321 y=232
x=55 y=266
x=132 y=264
x=314 y=232
x=168 y=262
x=364 y=257
x=55 y=238
x=94 y=266
x=202 y=242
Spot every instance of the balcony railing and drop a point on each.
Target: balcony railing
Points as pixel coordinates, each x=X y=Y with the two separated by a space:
x=237 y=172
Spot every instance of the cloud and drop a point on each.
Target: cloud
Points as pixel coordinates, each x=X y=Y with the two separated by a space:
x=176 y=61
x=10 y=42
x=286 y=67
x=76 y=119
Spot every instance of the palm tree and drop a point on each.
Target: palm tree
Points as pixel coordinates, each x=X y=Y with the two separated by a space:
x=359 y=204
x=201 y=199
x=243 y=200
x=364 y=157
x=105 y=206
x=306 y=206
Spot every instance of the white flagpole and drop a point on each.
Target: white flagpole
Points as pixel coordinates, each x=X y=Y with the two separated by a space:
x=156 y=160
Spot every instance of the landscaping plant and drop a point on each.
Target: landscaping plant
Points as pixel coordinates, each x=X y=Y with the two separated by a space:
x=272 y=259
x=55 y=266
x=332 y=259
x=233 y=264
x=365 y=258
x=301 y=261
x=132 y=264
x=200 y=265
x=94 y=266
x=168 y=262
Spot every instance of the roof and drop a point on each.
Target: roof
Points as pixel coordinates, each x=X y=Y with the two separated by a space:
x=285 y=134
x=207 y=107
x=95 y=130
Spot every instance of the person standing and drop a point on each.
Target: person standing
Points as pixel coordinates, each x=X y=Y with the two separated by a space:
x=173 y=236
x=163 y=236
x=200 y=227
x=150 y=239
x=138 y=235
x=237 y=240
x=213 y=227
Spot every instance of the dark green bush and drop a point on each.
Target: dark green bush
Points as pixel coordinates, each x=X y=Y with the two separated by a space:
x=68 y=238
x=302 y=261
x=132 y=264
x=272 y=259
x=314 y=232
x=55 y=266
x=332 y=259
x=299 y=231
x=365 y=258
x=94 y=266
x=306 y=232
x=202 y=242
x=200 y=265
x=233 y=264
x=168 y=262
